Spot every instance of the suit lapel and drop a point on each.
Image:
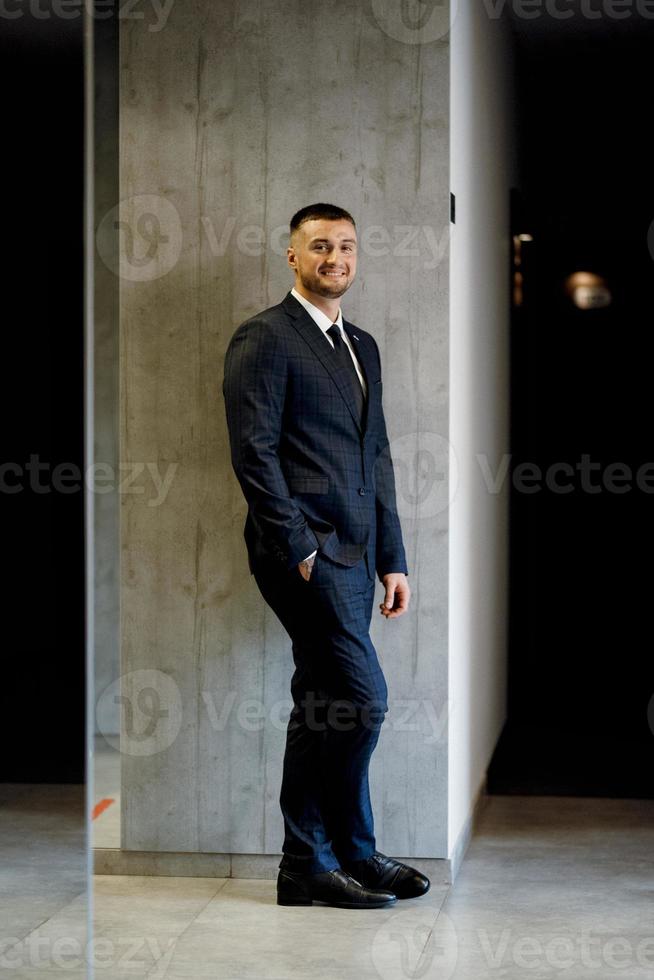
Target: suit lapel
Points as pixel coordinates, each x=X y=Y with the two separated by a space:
x=319 y=344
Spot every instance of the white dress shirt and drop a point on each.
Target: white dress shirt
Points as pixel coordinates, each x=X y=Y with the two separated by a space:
x=324 y=322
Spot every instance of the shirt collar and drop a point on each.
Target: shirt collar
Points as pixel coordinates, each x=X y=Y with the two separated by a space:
x=317 y=315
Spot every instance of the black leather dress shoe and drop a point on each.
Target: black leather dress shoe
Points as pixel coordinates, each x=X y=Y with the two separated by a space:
x=330 y=887
x=379 y=871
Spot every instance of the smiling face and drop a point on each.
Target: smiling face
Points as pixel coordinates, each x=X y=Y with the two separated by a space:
x=323 y=254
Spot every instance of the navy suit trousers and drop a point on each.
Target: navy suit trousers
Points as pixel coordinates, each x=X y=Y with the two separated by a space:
x=339 y=702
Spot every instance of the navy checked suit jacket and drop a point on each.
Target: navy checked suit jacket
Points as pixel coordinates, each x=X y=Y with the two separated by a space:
x=313 y=476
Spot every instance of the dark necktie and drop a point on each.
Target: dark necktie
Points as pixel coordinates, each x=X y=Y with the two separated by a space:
x=341 y=351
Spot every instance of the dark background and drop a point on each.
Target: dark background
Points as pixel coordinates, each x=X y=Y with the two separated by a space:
x=42 y=714
x=580 y=658
x=580 y=661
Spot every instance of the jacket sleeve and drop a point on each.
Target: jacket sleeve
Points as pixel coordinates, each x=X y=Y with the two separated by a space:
x=390 y=554
x=254 y=389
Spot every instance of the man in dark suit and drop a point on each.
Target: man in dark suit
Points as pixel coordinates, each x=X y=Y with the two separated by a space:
x=303 y=398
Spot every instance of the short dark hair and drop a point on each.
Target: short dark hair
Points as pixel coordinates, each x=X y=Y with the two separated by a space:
x=328 y=212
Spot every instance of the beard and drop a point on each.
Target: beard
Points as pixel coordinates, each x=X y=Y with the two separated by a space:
x=322 y=286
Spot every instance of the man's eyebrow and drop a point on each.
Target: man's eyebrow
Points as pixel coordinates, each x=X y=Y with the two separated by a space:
x=319 y=241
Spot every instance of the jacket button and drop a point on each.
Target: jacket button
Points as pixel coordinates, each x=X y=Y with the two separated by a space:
x=362 y=490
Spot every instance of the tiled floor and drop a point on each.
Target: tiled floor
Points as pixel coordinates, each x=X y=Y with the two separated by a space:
x=43 y=884
x=550 y=887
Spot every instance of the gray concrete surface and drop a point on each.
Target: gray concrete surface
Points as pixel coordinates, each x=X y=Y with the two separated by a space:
x=106 y=379
x=232 y=117
x=43 y=880
x=550 y=887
